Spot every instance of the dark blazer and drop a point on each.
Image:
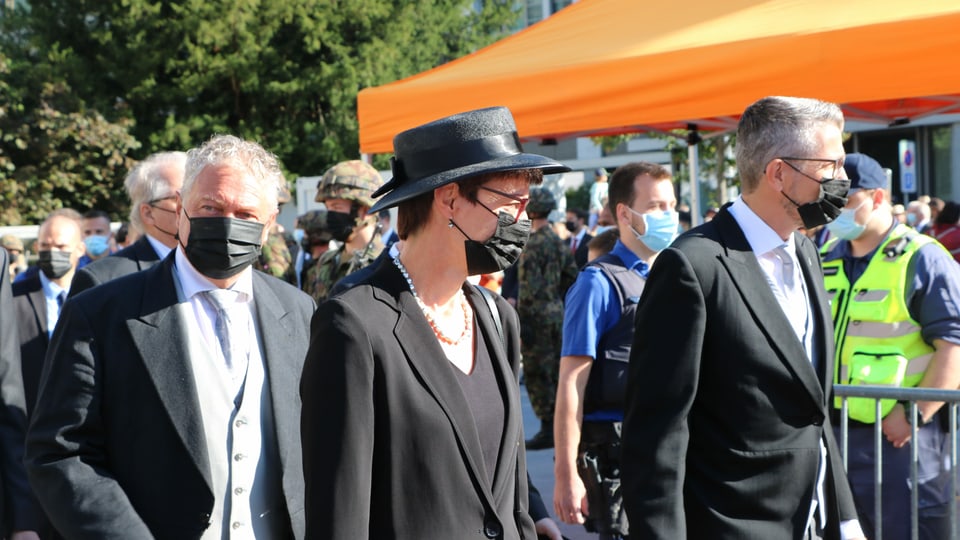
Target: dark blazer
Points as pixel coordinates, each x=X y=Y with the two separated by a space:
x=138 y=256
x=724 y=412
x=31 y=307
x=17 y=509
x=582 y=254
x=116 y=447
x=389 y=443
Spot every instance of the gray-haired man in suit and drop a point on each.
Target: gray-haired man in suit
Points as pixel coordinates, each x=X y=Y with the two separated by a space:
x=167 y=406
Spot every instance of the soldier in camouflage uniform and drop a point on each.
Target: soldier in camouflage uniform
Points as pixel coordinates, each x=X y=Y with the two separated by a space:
x=275 y=258
x=546 y=271
x=345 y=189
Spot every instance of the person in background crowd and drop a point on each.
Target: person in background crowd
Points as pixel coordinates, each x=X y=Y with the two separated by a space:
x=899 y=213
x=918 y=216
x=895 y=299
x=19 y=517
x=727 y=433
x=936 y=206
x=602 y=244
x=710 y=214
x=388 y=234
x=152 y=187
x=14 y=248
x=315 y=241
x=201 y=348
x=275 y=258
x=96 y=235
x=126 y=235
x=598 y=196
x=411 y=421
x=546 y=270
x=345 y=191
x=947 y=230
x=597 y=331
x=579 y=237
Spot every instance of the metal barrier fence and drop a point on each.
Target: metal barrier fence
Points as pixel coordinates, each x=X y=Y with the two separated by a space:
x=912 y=395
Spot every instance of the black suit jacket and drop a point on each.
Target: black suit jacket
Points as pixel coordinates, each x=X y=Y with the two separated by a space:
x=116 y=447
x=31 y=308
x=582 y=254
x=724 y=412
x=17 y=509
x=389 y=443
x=138 y=256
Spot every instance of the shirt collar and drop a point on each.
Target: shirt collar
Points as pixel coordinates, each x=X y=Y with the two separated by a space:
x=193 y=282
x=630 y=259
x=760 y=236
x=159 y=247
x=50 y=289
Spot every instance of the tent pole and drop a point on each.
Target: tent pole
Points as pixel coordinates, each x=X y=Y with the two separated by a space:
x=693 y=166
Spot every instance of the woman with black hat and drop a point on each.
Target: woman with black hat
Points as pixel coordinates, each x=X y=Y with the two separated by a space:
x=411 y=422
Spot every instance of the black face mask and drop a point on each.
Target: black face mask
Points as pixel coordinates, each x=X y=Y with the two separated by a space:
x=54 y=264
x=220 y=247
x=501 y=250
x=832 y=199
x=341 y=224
x=571 y=226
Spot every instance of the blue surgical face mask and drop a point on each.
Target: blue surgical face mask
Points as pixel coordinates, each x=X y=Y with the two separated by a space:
x=661 y=228
x=846 y=226
x=298 y=235
x=911 y=219
x=602 y=229
x=97 y=244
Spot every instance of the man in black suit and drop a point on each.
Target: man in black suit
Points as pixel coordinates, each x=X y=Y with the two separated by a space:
x=167 y=405
x=576 y=223
x=18 y=515
x=727 y=432
x=39 y=298
x=152 y=187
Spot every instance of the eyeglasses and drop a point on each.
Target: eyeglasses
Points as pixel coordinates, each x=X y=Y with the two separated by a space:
x=154 y=202
x=520 y=201
x=837 y=164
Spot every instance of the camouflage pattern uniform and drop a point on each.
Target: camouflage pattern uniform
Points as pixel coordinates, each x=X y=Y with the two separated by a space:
x=353 y=181
x=333 y=266
x=546 y=271
x=275 y=258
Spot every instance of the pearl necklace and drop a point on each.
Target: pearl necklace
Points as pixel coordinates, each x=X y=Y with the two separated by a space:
x=426 y=311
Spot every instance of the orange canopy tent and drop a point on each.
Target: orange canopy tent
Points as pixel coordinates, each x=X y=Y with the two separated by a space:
x=616 y=66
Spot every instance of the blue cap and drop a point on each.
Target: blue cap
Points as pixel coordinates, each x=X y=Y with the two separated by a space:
x=600 y=172
x=864 y=172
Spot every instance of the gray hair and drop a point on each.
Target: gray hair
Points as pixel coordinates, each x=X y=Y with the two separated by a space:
x=145 y=182
x=247 y=156
x=779 y=126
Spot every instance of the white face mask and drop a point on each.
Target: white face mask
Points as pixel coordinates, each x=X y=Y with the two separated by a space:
x=846 y=226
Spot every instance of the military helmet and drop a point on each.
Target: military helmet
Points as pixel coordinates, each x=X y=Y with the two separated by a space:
x=541 y=201
x=351 y=180
x=314 y=220
x=10 y=241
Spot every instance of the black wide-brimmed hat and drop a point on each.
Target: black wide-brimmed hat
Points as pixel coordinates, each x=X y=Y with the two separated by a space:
x=456 y=148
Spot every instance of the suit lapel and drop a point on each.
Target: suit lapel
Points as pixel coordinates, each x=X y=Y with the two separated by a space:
x=146 y=256
x=158 y=335
x=427 y=359
x=276 y=336
x=509 y=392
x=822 y=318
x=39 y=304
x=744 y=270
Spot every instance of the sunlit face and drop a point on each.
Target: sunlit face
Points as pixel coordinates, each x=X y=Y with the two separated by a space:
x=509 y=194
x=225 y=191
x=650 y=195
x=60 y=233
x=802 y=175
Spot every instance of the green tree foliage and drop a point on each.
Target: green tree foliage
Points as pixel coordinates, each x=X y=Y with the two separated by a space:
x=54 y=152
x=283 y=72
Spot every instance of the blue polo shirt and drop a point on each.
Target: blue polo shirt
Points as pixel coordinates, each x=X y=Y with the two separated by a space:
x=592 y=309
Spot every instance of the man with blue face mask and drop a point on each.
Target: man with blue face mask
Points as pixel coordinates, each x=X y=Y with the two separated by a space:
x=597 y=336
x=96 y=236
x=884 y=276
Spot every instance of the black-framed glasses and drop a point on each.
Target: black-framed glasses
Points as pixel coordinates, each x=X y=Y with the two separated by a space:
x=154 y=202
x=522 y=201
x=836 y=163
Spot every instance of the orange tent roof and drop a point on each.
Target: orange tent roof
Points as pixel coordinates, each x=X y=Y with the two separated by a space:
x=615 y=66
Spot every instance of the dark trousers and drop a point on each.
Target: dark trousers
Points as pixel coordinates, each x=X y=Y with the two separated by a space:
x=598 y=463
x=933 y=479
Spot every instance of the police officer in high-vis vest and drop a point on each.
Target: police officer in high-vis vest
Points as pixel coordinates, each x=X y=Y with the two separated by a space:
x=895 y=298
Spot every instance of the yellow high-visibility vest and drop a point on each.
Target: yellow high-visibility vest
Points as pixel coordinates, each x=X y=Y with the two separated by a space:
x=878 y=343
